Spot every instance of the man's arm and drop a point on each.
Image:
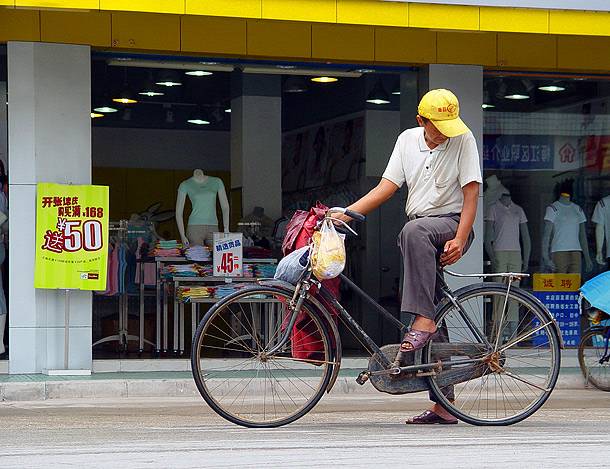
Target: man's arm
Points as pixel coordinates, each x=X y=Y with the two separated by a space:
x=454 y=248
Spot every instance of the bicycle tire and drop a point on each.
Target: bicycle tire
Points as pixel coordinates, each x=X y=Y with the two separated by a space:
x=511 y=383
x=240 y=382
x=591 y=348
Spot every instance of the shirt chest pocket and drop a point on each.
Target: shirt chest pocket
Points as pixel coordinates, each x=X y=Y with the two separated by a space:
x=445 y=182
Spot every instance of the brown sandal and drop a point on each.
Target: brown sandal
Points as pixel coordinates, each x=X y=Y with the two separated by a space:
x=429 y=417
x=417 y=339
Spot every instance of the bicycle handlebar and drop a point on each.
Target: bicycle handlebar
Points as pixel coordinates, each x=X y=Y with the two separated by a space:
x=349 y=213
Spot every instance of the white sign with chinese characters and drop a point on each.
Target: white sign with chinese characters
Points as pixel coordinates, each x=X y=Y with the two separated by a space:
x=228 y=254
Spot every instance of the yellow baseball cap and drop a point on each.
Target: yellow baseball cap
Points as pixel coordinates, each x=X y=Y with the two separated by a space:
x=442 y=108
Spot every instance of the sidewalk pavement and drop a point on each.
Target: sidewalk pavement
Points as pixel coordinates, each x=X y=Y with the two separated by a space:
x=172 y=378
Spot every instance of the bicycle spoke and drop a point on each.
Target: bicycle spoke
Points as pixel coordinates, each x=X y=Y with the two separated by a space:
x=521 y=363
x=237 y=377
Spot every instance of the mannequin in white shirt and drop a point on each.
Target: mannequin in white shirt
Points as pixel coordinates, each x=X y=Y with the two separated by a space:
x=555 y=261
x=197 y=233
x=601 y=218
x=522 y=232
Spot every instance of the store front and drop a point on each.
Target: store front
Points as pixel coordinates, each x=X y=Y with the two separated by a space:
x=146 y=149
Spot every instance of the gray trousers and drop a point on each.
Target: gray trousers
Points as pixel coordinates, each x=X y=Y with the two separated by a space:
x=421 y=242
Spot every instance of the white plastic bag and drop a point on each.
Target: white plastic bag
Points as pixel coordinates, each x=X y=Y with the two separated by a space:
x=290 y=268
x=328 y=253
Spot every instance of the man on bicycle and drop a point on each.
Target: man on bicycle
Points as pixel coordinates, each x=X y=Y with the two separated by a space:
x=439 y=162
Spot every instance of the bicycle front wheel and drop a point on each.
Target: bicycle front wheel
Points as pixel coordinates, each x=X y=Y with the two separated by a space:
x=238 y=373
x=502 y=358
x=592 y=357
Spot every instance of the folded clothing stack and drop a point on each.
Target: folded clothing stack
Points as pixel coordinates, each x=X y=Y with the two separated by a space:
x=198 y=253
x=169 y=248
x=182 y=270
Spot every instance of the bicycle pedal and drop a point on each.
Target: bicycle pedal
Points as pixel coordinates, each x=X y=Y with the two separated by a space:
x=362 y=378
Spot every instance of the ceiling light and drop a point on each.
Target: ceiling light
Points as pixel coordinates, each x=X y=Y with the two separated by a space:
x=396 y=89
x=105 y=109
x=364 y=70
x=198 y=117
x=105 y=106
x=168 y=78
x=150 y=88
x=96 y=114
x=516 y=91
x=126 y=95
x=228 y=110
x=554 y=87
x=198 y=73
x=324 y=79
x=487 y=106
x=294 y=84
x=378 y=94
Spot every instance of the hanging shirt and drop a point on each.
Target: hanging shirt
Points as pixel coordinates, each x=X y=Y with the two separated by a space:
x=203 y=198
x=506 y=220
x=566 y=221
x=601 y=216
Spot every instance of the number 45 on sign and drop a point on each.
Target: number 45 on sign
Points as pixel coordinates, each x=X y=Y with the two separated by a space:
x=228 y=254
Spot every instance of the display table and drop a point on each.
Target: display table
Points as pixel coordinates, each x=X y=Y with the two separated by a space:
x=162 y=293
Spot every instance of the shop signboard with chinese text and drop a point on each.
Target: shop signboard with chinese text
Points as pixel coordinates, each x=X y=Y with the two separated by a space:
x=227 y=258
x=559 y=293
x=71 y=236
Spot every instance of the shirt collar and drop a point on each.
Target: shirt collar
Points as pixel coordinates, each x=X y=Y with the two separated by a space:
x=423 y=146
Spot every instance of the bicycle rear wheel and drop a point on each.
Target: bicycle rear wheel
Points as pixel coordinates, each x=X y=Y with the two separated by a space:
x=593 y=347
x=513 y=350
x=237 y=376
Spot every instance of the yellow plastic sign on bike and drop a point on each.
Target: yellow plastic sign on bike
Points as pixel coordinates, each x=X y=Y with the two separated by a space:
x=71 y=236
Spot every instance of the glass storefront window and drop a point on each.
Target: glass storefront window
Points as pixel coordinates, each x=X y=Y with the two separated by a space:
x=546 y=166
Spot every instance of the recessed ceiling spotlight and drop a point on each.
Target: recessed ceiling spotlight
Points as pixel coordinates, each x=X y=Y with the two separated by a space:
x=324 y=79
x=168 y=78
x=96 y=114
x=553 y=88
x=198 y=73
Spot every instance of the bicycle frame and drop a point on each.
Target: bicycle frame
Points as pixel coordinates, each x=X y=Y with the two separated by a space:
x=307 y=282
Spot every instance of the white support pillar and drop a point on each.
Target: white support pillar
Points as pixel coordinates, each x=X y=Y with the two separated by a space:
x=256 y=142
x=466 y=82
x=49 y=127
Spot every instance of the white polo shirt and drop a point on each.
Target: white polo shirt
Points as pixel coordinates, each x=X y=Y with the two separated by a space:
x=566 y=221
x=601 y=215
x=434 y=177
x=506 y=223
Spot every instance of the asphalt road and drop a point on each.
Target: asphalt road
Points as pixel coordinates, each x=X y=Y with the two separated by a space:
x=352 y=430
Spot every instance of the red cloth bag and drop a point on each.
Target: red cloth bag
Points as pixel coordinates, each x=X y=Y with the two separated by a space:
x=306 y=340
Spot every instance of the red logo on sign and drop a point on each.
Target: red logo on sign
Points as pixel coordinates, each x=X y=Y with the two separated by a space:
x=567 y=153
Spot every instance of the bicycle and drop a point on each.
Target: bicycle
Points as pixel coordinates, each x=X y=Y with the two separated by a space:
x=265 y=355
x=593 y=350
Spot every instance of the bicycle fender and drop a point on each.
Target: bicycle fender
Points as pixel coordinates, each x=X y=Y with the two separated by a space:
x=525 y=293
x=317 y=306
x=598 y=329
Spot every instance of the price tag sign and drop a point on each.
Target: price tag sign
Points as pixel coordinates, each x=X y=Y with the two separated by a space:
x=228 y=254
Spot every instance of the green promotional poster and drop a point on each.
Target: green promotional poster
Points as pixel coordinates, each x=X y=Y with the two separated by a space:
x=71 y=236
